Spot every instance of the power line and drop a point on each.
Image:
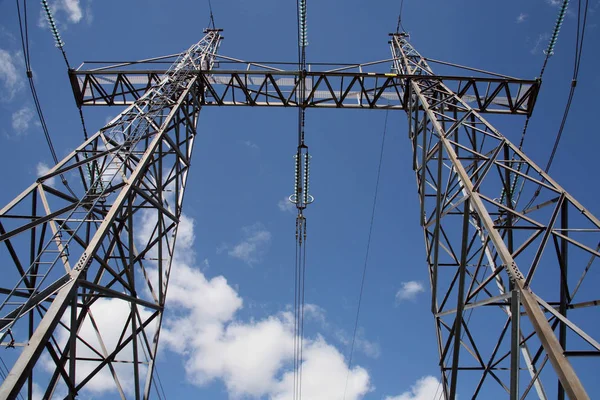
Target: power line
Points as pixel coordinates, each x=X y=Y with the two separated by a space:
x=24 y=33
x=579 y=40
x=400 y=18
x=301 y=198
x=549 y=52
x=212 y=18
x=364 y=274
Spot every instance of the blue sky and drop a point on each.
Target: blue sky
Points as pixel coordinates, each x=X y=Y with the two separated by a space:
x=237 y=252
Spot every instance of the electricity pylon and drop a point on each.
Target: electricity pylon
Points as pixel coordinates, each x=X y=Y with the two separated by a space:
x=496 y=326
x=76 y=249
x=488 y=248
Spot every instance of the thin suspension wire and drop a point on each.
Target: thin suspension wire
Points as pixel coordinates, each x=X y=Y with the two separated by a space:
x=296 y=267
x=299 y=302
x=366 y=263
x=549 y=52
x=212 y=17
x=301 y=199
x=302 y=318
x=579 y=41
x=400 y=18
x=61 y=46
x=24 y=33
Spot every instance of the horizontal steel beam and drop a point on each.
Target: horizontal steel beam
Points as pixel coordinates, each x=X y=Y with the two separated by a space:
x=331 y=89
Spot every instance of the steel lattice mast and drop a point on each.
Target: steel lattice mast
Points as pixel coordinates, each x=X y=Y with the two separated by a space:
x=504 y=271
x=77 y=249
x=489 y=249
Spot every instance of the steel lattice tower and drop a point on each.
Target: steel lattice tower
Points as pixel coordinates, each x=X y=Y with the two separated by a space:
x=505 y=272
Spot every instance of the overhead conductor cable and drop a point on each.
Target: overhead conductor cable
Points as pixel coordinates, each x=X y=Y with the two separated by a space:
x=301 y=198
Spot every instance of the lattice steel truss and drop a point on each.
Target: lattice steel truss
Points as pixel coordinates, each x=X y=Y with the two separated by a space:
x=504 y=273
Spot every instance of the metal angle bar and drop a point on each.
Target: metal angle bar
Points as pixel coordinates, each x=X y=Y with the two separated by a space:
x=570 y=324
x=595 y=253
x=496 y=301
x=107 y=292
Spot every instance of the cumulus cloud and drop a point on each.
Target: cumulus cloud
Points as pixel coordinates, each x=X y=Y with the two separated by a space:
x=253 y=246
x=21 y=120
x=409 y=290
x=324 y=375
x=8 y=75
x=521 y=18
x=42 y=169
x=71 y=10
x=286 y=205
x=252 y=358
x=427 y=388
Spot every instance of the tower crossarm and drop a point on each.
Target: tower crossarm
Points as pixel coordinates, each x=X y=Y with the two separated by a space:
x=504 y=270
x=323 y=89
x=92 y=260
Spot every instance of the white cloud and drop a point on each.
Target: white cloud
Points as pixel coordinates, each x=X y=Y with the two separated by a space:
x=252 y=358
x=521 y=18
x=554 y=3
x=8 y=74
x=427 y=388
x=37 y=394
x=71 y=9
x=409 y=290
x=286 y=205
x=254 y=245
x=42 y=169
x=21 y=120
x=542 y=37
x=315 y=313
x=324 y=374
x=251 y=145
x=368 y=348
x=89 y=16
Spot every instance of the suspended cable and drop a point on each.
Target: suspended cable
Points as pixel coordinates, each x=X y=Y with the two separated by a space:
x=24 y=33
x=579 y=40
x=299 y=302
x=400 y=18
x=366 y=263
x=91 y=170
x=61 y=46
x=301 y=198
x=549 y=52
x=212 y=18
